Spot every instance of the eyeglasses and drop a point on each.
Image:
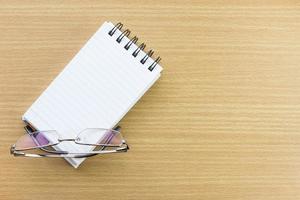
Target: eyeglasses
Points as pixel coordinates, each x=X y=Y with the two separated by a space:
x=103 y=140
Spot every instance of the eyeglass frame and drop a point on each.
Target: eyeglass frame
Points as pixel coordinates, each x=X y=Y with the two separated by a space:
x=123 y=147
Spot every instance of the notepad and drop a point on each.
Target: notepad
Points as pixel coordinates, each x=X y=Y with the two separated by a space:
x=97 y=87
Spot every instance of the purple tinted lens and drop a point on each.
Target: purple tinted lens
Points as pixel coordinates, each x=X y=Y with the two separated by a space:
x=106 y=138
x=100 y=137
x=36 y=140
x=112 y=138
x=40 y=139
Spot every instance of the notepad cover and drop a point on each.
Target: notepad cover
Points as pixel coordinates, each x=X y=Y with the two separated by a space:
x=96 y=89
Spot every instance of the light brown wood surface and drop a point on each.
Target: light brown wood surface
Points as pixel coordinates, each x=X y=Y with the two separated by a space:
x=223 y=121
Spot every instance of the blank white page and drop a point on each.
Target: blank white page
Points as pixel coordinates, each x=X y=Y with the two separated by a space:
x=96 y=89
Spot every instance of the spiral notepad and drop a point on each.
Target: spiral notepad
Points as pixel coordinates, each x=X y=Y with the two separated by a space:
x=97 y=88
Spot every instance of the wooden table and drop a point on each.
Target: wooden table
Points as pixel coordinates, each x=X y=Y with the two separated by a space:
x=222 y=122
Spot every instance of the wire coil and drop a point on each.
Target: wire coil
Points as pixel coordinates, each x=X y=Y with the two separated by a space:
x=134 y=40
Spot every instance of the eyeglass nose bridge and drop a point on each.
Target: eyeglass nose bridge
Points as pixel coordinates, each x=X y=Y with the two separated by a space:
x=68 y=139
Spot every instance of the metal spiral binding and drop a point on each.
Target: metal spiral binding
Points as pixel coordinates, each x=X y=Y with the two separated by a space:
x=134 y=40
x=140 y=48
x=149 y=54
x=113 y=30
x=153 y=65
x=123 y=34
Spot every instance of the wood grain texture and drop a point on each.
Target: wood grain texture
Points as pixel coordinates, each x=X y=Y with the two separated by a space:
x=222 y=122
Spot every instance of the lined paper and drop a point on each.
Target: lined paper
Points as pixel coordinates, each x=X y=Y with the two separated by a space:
x=96 y=89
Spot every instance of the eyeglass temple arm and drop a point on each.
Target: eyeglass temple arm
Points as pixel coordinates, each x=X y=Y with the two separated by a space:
x=70 y=155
